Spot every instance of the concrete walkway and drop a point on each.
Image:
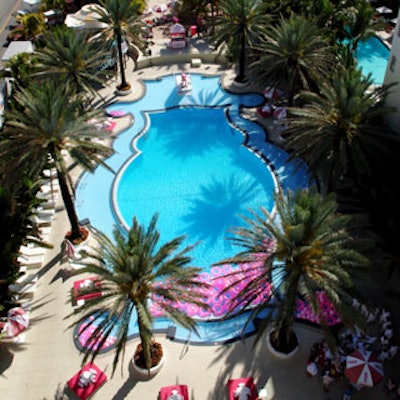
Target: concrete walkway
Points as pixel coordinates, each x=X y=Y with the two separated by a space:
x=40 y=368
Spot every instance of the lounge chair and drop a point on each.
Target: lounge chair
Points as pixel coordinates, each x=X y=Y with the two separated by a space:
x=242 y=389
x=26 y=279
x=87 y=381
x=174 y=392
x=43 y=220
x=32 y=250
x=31 y=262
x=26 y=290
x=92 y=284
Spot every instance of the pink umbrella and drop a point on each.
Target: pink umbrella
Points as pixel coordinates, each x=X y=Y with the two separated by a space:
x=363 y=368
x=18 y=321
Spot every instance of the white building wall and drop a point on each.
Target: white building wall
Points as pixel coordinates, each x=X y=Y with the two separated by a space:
x=393 y=75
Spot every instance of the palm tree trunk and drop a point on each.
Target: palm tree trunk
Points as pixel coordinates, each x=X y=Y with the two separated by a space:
x=120 y=58
x=242 y=60
x=145 y=339
x=69 y=205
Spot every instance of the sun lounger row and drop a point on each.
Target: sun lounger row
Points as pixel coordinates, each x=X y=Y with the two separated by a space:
x=238 y=389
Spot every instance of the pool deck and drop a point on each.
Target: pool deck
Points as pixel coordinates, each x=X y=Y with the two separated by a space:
x=39 y=368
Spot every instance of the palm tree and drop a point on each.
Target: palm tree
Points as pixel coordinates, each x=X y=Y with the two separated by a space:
x=240 y=26
x=123 y=21
x=313 y=251
x=360 y=26
x=45 y=122
x=33 y=25
x=21 y=67
x=293 y=55
x=72 y=60
x=339 y=132
x=135 y=269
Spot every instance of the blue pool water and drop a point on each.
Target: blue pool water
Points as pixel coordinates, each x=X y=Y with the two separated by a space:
x=199 y=179
x=372 y=56
x=184 y=158
x=194 y=160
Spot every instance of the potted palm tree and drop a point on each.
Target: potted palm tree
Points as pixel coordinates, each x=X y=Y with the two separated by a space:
x=122 y=21
x=312 y=251
x=134 y=270
x=240 y=25
x=47 y=121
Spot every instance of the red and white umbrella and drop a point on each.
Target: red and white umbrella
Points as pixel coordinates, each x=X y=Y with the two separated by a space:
x=280 y=113
x=18 y=321
x=364 y=368
x=272 y=93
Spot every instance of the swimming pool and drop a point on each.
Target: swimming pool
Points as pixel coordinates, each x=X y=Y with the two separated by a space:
x=372 y=56
x=199 y=178
x=229 y=180
x=192 y=159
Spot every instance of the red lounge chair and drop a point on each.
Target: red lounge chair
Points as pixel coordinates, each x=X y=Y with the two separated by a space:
x=82 y=284
x=242 y=389
x=109 y=126
x=85 y=382
x=174 y=392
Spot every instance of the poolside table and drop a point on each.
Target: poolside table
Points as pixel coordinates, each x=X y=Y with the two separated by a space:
x=82 y=286
x=87 y=380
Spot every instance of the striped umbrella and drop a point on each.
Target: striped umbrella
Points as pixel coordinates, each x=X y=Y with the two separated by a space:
x=18 y=321
x=364 y=368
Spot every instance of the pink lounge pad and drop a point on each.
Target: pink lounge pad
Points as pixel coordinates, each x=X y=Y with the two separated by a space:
x=81 y=284
x=242 y=388
x=174 y=392
x=85 y=382
x=116 y=113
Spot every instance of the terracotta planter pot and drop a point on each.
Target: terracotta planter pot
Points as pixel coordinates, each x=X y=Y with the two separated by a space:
x=124 y=91
x=144 y=373
x=280 y=354
x=80 y=241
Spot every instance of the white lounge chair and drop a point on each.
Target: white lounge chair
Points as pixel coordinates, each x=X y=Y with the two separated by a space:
x=31 y=250
x=41 y=221
x=23 y=290
x=50 y=172
x=41 y=212
x=27 y=279
x=31 y=262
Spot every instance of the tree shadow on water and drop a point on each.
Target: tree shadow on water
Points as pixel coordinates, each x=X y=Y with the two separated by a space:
x=218 y=208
